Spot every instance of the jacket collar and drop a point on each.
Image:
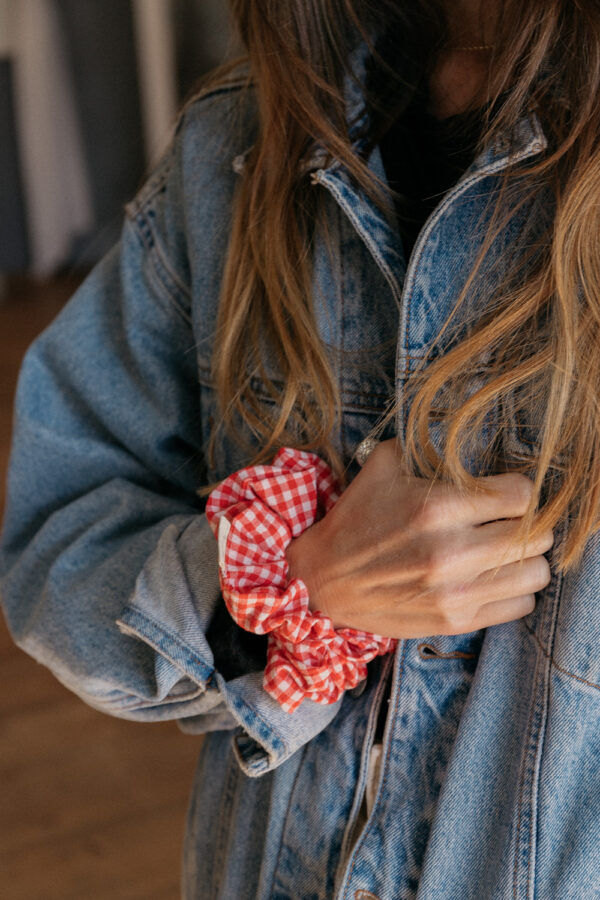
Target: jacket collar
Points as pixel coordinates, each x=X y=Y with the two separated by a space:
x=378 y=233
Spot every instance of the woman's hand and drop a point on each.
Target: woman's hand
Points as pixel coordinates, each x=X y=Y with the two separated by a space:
x=404 y=557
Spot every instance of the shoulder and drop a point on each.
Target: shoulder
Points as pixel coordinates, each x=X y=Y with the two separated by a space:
x=215 y=126
x=182 y=213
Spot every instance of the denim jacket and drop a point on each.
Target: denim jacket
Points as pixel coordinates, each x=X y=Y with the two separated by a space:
x=489 y=776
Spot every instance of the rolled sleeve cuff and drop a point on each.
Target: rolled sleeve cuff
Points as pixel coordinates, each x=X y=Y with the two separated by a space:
x=170 y=611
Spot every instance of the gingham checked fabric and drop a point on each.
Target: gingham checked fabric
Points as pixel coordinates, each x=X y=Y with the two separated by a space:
x=255 y=513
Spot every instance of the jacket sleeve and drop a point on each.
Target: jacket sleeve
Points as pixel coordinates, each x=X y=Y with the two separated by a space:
x=108 y=569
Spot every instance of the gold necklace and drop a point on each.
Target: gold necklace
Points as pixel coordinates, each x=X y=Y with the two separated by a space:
x=477 y=47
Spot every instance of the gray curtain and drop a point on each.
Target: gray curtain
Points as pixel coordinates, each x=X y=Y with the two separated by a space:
x=204 y=39
x=100 y=47
x=14 y=242
x=100 y=44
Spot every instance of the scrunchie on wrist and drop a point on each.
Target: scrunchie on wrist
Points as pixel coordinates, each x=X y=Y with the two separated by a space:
x=255 y=513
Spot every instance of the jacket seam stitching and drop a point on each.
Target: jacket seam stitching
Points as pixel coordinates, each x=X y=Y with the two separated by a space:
x=152 y=186
x=539 y=740
x=353 y=216
x=166 y=276
x=208 y=93
x=350 y=837
x=285 y=824
x=349 y=402
x=171 y=283
x=176 y=640
x=240 y=701
x=440 y=213
x=535 y=824
x=221 y=829
x=180 y=285
x=156 y=180
x=523 y=779
x=459 y=191
x=386 y=772
x=160 y=271
x=170 y=699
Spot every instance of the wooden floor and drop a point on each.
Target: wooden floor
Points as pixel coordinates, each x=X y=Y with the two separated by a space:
x=91 y=808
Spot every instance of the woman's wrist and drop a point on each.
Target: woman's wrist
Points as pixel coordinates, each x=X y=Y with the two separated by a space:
x=302 y=555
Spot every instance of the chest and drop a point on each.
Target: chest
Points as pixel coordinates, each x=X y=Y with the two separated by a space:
x=492 y=742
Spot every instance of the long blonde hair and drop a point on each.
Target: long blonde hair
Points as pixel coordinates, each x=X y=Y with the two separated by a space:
x=547 y=58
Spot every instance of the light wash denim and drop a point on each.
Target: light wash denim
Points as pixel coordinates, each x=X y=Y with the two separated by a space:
x=490 y=780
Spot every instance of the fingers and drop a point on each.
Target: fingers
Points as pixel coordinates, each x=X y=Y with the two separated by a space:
x=505 y=496
x=501 y=611
x=456 y=557
x=514 y=580
x=497 y=595
x=496 y=544
x=459 y=556
x=437 y=505
x=508 y=497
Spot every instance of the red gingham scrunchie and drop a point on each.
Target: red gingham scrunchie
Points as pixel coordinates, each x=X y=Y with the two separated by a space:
x=255 y=513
